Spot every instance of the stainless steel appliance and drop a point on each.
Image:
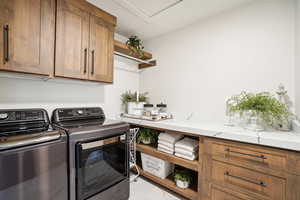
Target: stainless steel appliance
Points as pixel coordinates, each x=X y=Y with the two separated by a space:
x=33 y=157
x=98 y=157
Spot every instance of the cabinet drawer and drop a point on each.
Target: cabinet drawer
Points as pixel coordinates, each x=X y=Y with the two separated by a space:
x=248 y=155
x=221 y=195
x=252 y=182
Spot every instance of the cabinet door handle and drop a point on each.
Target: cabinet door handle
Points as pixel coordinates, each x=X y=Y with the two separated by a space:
x=260 y=183
x=93 y=62
x=246 y=154
x=85 y=60
x=6 y=43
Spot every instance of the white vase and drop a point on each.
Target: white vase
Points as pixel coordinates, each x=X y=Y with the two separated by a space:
x=135 y=108
x=182 y=184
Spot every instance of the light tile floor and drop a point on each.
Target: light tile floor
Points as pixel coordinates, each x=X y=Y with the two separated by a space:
x=145 y=190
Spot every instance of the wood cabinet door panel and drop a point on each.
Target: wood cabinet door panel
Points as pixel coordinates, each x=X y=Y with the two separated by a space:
x=101 y=50
x=29 y=41
x=293 y=163
x=240 y=178
x=72 y=41
x=221 y=195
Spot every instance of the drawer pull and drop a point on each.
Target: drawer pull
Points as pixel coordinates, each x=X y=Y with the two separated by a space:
x=6 y=43
x=262 y=184
x=85 y=60
x=93 y=62
x=246 y=154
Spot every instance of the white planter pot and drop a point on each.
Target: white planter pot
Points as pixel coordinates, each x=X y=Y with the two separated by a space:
x=182 y=184
x=146 y=141
x=135 y=108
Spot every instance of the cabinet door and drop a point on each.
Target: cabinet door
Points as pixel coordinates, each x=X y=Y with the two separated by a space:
x=27 y=36
x=101 y=50
x=72 y=40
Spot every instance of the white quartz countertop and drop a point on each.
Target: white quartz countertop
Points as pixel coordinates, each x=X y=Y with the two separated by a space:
x=284 y=140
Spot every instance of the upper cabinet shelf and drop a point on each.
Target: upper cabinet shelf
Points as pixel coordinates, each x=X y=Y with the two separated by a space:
x=121 y=49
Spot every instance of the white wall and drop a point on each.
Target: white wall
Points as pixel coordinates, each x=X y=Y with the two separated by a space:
x=20 y=93
x=297 y=65
x=248 y=48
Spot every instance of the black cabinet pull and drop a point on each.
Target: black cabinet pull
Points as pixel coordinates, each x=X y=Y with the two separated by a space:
x=93 y=62
x=246 y=154
x=85 y=60
x=246 y=180
x=6 y=43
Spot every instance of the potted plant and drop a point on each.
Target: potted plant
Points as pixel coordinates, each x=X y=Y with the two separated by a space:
x=262 y=109
x=134 y=102
x=182 y=179
x=147 y=136
x=135 y=46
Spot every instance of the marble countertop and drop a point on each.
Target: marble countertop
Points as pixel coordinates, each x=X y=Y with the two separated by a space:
x=284 y=140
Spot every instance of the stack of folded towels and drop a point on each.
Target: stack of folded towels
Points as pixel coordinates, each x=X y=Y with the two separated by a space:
x=187 y=149
x=166 y=142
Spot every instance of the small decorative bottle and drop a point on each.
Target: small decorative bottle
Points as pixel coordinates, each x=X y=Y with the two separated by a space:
x=284 y=98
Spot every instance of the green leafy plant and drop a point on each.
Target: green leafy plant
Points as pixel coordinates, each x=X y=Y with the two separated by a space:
x=135 y=46
x=263 y=105
x=128 y=96
x=146 y=134
x=183 y=175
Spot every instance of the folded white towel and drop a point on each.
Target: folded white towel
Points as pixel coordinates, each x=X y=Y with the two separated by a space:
x=186 y=157
x=185 y=152
x=169 y=137
x=167 y=144
x=187 y=144
x=165 y=150
x=166 y=147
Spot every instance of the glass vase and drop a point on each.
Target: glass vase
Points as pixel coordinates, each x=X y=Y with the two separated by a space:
x=254 y=122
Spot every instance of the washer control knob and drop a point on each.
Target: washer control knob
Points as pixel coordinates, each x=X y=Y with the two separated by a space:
x=3 y=116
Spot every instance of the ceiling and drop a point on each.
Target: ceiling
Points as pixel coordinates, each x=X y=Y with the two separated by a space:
x=149 y=19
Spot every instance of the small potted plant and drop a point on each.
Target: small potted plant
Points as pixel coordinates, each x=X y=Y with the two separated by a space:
x=182 y=179
x=262 y=109
x=147 y=136
x=135 y=46
x=134 y=102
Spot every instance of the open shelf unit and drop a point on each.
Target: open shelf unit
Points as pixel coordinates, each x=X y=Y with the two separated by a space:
x=122 y=50
x=169 y=183
x=190 y=193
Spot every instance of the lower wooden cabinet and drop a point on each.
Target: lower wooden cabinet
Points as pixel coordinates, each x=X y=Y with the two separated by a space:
x=254 y=171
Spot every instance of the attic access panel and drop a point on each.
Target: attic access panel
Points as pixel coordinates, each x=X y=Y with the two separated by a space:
x=147 y=9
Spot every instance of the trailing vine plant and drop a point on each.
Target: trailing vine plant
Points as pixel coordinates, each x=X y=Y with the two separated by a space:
x=135 y=46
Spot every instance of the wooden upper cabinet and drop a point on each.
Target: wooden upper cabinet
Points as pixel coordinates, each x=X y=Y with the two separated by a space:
x=72 y=41
x=27 y=36
x=84 y=42
x=101 y=48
